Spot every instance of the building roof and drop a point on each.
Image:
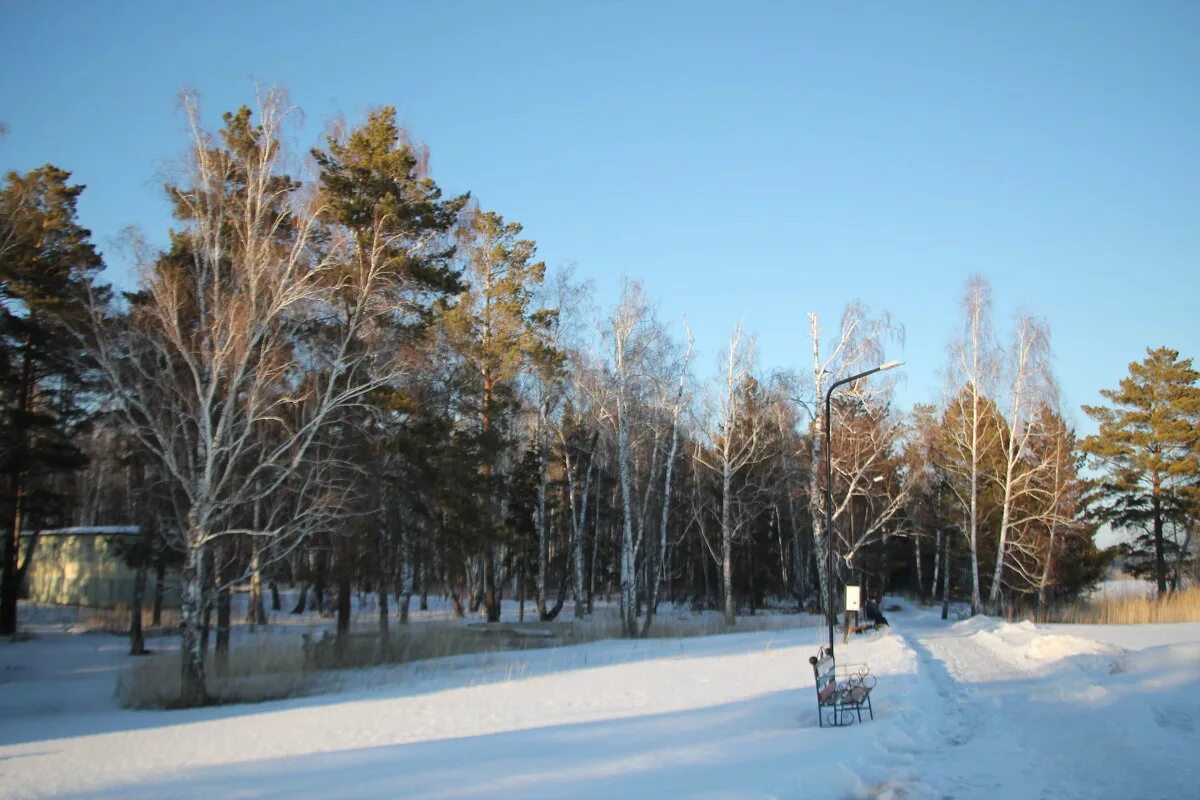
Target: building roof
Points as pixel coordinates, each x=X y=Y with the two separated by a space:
x=88 y=530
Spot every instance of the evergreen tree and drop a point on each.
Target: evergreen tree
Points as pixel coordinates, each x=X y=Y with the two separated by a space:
x=379 y=202
x=494 y=328
x=47 y=268
x=374 y=184
x=1148 y=448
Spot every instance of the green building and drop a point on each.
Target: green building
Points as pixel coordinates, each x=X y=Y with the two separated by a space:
x=84 y=567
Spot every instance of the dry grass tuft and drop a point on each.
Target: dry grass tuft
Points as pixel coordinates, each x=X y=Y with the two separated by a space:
x=683 y=626
x=267 y=670
x=116 y=620
x=1133 y=609
x=420 y=642
x=273 y=669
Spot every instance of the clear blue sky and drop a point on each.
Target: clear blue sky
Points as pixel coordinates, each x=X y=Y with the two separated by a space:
x=756 y=160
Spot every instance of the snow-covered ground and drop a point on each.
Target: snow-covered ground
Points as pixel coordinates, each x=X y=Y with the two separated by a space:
x=971 y=709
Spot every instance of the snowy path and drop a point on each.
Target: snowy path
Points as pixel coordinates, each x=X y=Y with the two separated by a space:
x=1018 y=711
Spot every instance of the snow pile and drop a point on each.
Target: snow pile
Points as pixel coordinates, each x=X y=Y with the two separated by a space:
x=1024 y=642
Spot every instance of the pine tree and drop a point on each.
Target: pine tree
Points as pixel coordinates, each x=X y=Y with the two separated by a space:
x=375 y=184
x=1148 y=448
x=494 y=329
x=377 y=198
x=47 y=268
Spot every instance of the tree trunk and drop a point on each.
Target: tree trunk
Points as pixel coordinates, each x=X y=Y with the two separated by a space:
x=343 y=606
x=1047 y=568
x=945 y=577
x=521 y=588
x=137 y=639
x=752 y=588
x=191 y=613
x=10 y=589
x=302 y=600
x=1160 y=561
x=972 y=541
x=382 y=542
x=160 y=590
x=628 y=604
x=937 y=560
x=491 y=597
x=921 y=596
x=224 y=619
x=209 y=590
x=816 y=493
x=727 y=545
x=381 y=592
x=785 y=579
x=1002 y=543
x=591 y=592
x=256 y=612
x=543 y=528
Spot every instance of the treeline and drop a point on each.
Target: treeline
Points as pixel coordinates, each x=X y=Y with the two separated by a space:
x=354 y=383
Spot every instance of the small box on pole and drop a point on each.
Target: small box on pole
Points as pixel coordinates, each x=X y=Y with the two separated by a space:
x=853 y=598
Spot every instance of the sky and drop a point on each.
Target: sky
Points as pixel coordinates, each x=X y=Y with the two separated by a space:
x=745 y=161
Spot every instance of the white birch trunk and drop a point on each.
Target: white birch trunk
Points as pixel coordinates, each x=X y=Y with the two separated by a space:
x=816 y=495
x=543 y=531
x=727 y=543
x=1030 y=338
x=628 y=573
x=191 y=615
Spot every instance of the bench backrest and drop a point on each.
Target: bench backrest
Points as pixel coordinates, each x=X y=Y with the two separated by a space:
x=823 y=672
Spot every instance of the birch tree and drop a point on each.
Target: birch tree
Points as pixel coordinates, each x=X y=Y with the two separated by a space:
x=220 y=348
x=860 y=343
x=734 y=442
x=1051 y=551
x=630 y=337
x=674 y=404
x=1030 y=386
x=872 y=486
x=972 y=371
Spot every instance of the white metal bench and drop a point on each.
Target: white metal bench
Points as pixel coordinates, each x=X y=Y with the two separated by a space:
x=841 y=688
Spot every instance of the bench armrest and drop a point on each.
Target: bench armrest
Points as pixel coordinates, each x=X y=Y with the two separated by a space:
x=852 y=675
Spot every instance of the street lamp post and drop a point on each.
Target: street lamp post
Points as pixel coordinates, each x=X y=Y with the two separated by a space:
x=829 y=601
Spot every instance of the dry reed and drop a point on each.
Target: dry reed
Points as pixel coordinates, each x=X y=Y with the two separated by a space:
x=1133 y=609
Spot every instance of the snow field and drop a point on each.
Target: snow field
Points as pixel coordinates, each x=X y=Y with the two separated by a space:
x=979 y=708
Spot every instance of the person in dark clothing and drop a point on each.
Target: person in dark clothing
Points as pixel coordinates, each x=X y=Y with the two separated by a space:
x=873 y=614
